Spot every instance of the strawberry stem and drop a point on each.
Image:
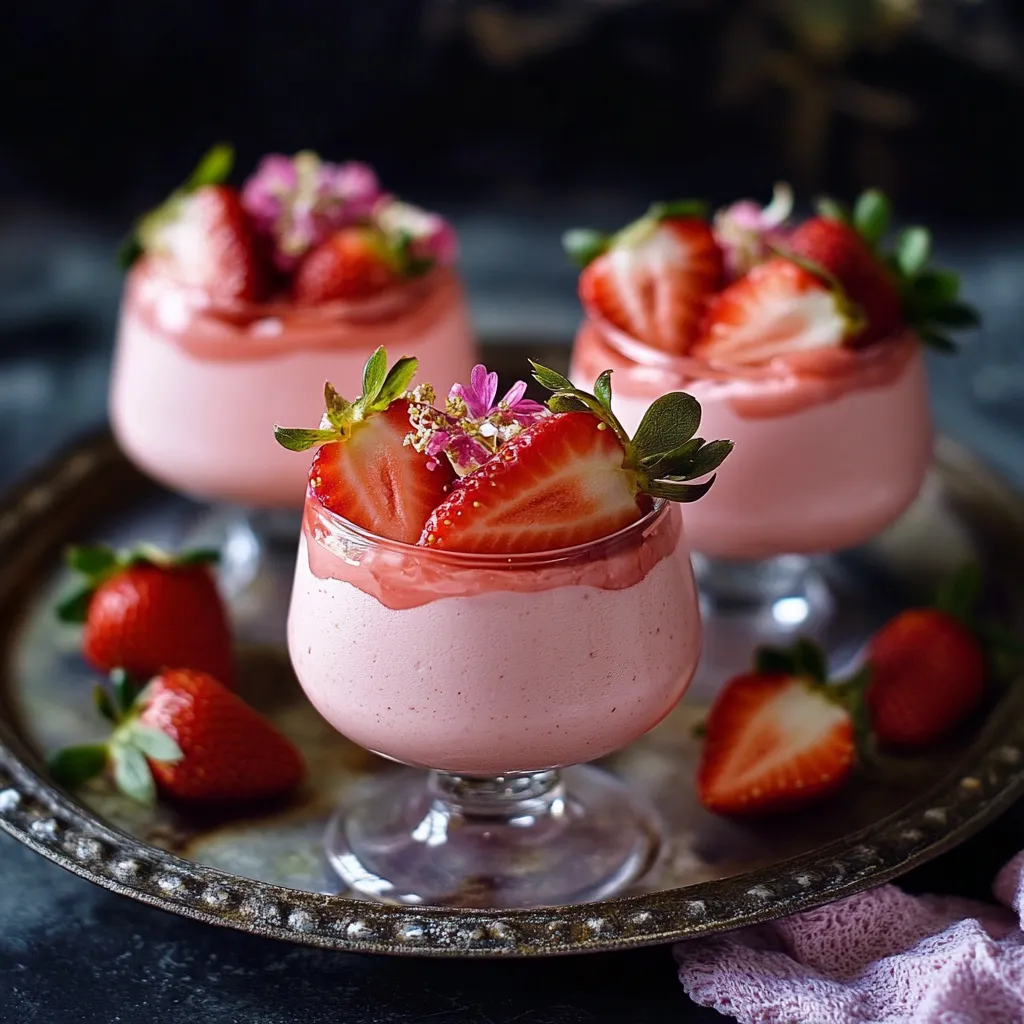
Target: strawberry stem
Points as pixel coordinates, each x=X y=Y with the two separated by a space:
x=381 y=388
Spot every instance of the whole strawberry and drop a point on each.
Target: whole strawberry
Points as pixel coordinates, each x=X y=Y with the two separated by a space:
x=776 y=739
x=187 y=738
x=893 y=291
x=928 y=670
x=145 y=610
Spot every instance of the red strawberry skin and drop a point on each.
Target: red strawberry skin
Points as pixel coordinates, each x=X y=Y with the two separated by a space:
x=211 y=245
x=229 y=752
x=656 y=290
x=777 y=309
x=378 y=482
x=840 y=250
x=558 y=483
x=928 y=674
x=772 y=744
x=350 y=264
x=148 y=617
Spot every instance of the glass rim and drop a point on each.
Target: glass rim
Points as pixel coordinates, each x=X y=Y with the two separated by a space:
x=688 y=368
x=491 y=560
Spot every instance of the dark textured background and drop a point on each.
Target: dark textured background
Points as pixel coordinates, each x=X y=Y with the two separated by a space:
x=517 y=119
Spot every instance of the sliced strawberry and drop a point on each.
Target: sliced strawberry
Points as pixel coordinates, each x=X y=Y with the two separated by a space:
x=558 y=483
x=575 y=476
x=353 y=263
x=206 y=241
x=377 y=481
x=839 y=249
x=653 y=280
x=773 y=742
x=774 y=310
x=363 y=469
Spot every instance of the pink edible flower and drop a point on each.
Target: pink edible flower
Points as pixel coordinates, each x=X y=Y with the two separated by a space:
x=746 y=231
x=298 y=201
x=472 y=426
x=430 y=238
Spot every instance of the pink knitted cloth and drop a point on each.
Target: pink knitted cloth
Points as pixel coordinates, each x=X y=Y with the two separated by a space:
x=883 y=957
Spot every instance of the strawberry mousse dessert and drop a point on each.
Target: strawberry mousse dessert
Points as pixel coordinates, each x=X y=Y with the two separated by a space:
x=240 y=302
x=804 y=343
x=494 y=591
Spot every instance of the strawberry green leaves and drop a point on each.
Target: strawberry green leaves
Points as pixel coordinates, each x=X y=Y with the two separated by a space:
x=74 y=766
x=381 y=387
x=98 y=563
x=584 y=245
x=127 y=752
x=872 y=214
x=804 y=659
x=930 y=296
x=214 y=168
x=664 y=453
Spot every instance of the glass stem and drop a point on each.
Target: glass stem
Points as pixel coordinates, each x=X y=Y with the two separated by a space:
x=501 y=798
x=737 y=586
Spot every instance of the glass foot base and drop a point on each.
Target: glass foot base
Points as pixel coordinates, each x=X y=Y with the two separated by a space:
x=776 y=601
x=256 y=568
x=545 y=839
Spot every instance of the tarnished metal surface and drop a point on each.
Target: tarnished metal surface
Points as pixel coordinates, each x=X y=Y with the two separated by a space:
x=267 y=875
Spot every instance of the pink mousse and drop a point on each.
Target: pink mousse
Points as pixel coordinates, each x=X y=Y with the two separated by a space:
x=196 y=390
x=485 y=666
x=831 y=446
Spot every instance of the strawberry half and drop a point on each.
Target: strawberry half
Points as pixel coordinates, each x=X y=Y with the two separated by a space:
x=188 y=738
x=353 y=263
x=363 y=470
x=775 y=740
x=652 y=280
x=575 y=476
x=203 y=236
x=145 y=610
x=776 y=309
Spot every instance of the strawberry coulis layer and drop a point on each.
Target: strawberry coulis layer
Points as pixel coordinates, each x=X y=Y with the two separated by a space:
x=245 y=331
x=786 y=385
x=402 y=576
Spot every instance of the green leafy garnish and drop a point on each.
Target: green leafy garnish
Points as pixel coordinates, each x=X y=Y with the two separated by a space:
x=381 y=387
x=664 y=453
x=214 y=168
x=128 y=750
x=583 y=245
x=929 y=296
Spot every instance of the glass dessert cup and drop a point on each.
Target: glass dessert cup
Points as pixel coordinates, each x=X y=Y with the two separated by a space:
x=197 y=388
x=832 y=447
x=494 y=673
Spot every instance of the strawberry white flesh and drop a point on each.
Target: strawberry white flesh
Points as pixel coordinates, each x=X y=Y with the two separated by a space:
x=777 y=309
x=772 y=743
x=559 y=483
x=656 y=288
x=207 y=241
